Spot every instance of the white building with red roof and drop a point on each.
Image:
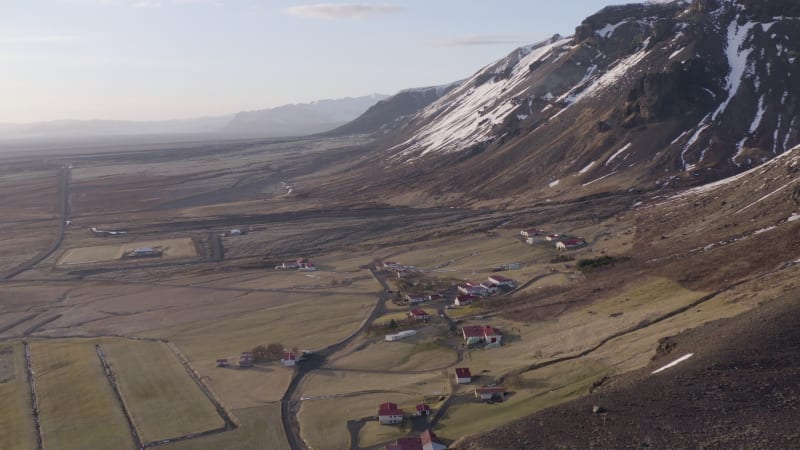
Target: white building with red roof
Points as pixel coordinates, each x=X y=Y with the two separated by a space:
x=419 y=314
x=474 y=334
x=501 y=281
x=289 y=359
x=463 y=375
x=389 y=414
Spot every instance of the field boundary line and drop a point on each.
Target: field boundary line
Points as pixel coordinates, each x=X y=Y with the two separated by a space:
x=34 y=397
x=112 y=379
x=231 y=422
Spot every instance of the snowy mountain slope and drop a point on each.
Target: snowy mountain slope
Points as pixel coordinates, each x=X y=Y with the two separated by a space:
x=642 y=96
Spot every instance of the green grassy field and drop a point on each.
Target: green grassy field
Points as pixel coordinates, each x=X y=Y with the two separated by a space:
x=16 y=423
x=78 y=409
x=162 y=398
x=260 y=429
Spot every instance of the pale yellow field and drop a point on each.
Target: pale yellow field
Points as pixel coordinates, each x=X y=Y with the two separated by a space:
x=415 y=353
x=78 y=409
x=163 y=400
x=172 y=249
x=16 y=424
x=325 y=383
x=260 y=429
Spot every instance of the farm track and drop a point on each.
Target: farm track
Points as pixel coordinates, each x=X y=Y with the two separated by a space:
x=63 y=201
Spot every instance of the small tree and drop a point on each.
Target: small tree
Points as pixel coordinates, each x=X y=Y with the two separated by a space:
x=260 y=353
x=274 y=351
x=392 y=324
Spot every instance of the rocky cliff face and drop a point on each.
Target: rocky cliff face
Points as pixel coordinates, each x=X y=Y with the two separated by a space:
x=642 y=96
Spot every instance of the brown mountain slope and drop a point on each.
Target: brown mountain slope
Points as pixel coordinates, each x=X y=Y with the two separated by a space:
x=738 y=390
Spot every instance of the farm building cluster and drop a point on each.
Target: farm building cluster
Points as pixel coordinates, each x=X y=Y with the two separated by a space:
x=493 y=285
x=426 y=441
x=400 y=269
x=560 y=241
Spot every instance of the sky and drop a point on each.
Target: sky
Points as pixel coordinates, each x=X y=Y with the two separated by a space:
x=167 y=59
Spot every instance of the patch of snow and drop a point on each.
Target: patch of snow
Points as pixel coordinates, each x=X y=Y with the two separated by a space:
x=554 y=183
x=737 y=60
x=768 y=195
x=679 y=137
x=674 y=363
x=691 y=142
x=549 y=96
x=522 y=116
x=793 y=217
x=586 y=169
x=764 y=230
x=599 y=179
x=627 y=146
x=609 y=29
x=676 y=53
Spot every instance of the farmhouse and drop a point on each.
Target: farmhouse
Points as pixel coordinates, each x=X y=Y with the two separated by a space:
x=463 y=375
x=501 y=281
x=463 y=300
x=471 y=288
x=246 y=359
x=389 y=414
x=567 y=244
x=423 y=410
x=490 y=393
x=289 y=359
x=426 y=441
x=419 y=314
x=474 y=334
x=400 y=335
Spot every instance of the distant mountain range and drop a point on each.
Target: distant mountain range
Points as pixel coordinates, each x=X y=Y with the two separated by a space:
x=288 y=120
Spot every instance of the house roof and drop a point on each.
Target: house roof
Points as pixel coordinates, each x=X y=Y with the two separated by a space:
x=423 y=407
x=247 y=353
x=289 y=355
x=500 y=278
x=573 y=242
x=472 y=331
x=406 y=443
x=389 y=409
x=461 y=298
x=428 y=437
x=491 y=331
x=463 y=372
x=418 y=312
x=490 y=390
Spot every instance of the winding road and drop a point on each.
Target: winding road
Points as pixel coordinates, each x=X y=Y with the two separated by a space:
x=65 y=175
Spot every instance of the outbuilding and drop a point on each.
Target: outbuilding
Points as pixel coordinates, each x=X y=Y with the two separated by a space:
x=389 y=414
x=463 y=375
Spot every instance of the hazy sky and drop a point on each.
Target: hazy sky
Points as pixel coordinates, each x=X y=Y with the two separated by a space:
x=161 y=59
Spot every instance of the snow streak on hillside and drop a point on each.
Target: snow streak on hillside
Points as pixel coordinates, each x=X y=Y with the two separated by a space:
x=466 y=115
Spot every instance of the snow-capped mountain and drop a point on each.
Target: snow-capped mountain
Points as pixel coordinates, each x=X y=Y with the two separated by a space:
x=641 y=96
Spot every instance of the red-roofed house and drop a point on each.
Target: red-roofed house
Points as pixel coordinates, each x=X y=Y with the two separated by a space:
x=389 y=414
x=567 y=244
x=423 y=410
x=430 y=441
x=463 y=375
x=463 y=300
x=501 y=281
x=289 y=359
x=472 y=288
x=419 y=314
x=477 y=333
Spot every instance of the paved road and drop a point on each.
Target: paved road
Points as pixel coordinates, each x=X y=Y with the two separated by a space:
x=63 y=200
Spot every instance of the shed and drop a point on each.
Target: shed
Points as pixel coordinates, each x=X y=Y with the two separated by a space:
x=463 y=375
x=490 y=393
